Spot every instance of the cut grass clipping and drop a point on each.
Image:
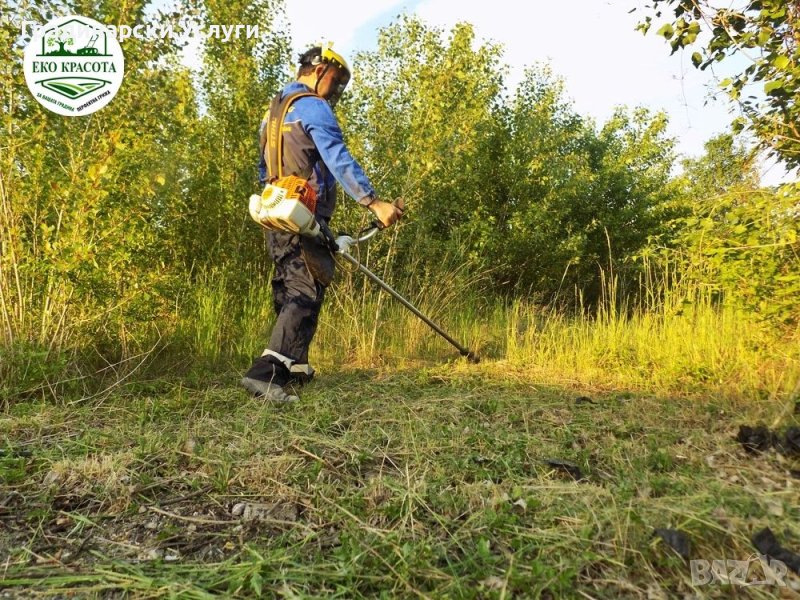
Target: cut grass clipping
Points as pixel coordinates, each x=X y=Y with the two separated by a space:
x=456 y=481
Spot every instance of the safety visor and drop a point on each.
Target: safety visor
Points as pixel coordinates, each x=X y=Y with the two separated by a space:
x=342 y=79
x=341 y=82
x=332 y=58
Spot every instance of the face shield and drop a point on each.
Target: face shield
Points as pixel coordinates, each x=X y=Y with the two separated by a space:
x=338 y=87
x=325 y=54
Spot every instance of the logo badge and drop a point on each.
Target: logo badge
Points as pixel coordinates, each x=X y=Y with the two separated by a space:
x=74 y=66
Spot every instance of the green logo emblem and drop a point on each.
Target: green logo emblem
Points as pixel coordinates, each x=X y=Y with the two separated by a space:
x=73 y=87
x=74 y=66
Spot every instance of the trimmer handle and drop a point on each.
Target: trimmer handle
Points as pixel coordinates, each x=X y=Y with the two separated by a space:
x=327 y=237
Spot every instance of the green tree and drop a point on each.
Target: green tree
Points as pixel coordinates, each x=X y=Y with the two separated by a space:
x=764 y=32
x=726 y=164
x=577 y=200
x=60 y=39
x=422 y=119
x=87 y=201
x=521 y=186
x=736 y=241
x=546 y=172
x=238 y=80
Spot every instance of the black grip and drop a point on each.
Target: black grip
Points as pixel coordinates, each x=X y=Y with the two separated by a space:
x=327 y=236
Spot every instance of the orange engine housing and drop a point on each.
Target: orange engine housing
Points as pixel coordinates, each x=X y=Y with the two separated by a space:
x=298 y=189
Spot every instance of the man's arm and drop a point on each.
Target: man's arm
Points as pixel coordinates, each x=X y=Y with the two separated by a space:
x=320 y=123
x=322 y=126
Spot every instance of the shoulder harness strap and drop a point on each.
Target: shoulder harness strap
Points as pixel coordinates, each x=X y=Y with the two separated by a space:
x=271 y=139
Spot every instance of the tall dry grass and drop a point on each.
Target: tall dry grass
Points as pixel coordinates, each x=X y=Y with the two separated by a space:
x=674 y=338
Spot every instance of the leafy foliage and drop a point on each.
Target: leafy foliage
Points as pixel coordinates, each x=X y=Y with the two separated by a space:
x=130 y=225
x=238 y=79
x=744 y=244
x=85 y=201
x=520 y=185
x=100 y=235
x=767 y=34
x=738 y=242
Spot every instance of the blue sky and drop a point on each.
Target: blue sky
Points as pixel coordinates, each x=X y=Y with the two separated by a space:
x=591 y=44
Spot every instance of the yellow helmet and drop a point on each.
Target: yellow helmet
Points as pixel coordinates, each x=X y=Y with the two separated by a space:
x=325 y=54
x=336 y=59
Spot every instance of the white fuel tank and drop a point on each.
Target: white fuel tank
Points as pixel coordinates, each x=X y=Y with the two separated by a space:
x=279 y=213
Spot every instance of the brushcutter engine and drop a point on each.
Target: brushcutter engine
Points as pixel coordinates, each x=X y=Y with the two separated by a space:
x=287 y=205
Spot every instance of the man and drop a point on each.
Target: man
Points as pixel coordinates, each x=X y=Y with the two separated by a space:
x=314 y=149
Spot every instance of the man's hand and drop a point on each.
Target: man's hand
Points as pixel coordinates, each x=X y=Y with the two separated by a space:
x=387 y=213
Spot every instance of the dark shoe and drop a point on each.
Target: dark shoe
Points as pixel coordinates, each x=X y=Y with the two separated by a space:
x=267 y=391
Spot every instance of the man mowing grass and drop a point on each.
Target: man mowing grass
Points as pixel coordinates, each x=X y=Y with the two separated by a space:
x=306 y=142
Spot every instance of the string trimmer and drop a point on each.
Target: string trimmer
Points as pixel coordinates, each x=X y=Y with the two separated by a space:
x=290 y=215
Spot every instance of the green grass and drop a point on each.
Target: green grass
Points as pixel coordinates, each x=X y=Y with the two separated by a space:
x=403 y=472
x=428 y=481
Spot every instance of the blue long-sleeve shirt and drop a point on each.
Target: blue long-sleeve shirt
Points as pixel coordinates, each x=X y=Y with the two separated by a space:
x=314 y=148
